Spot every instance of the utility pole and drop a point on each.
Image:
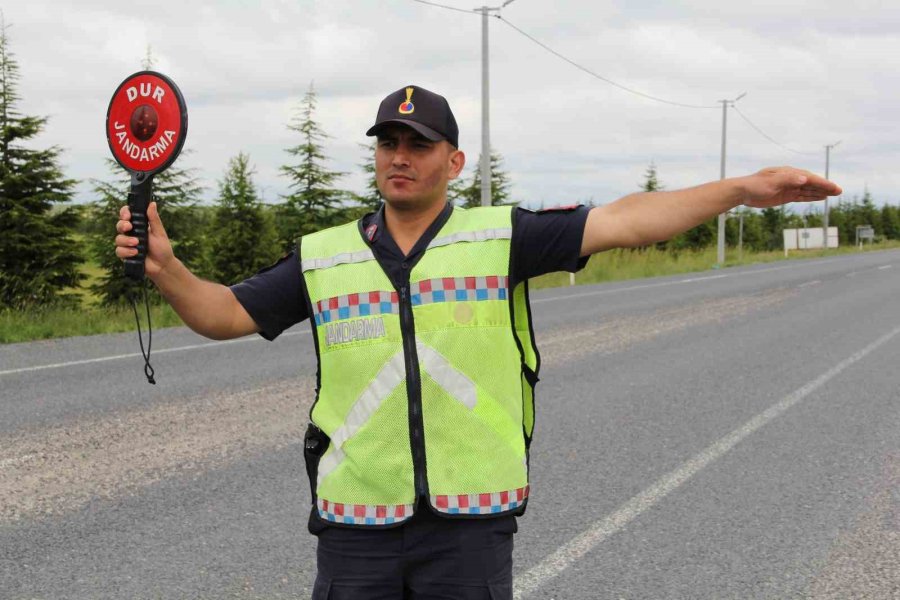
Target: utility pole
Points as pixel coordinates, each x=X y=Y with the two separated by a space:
x=828 y=148
x=720 y=235
x=485 y=103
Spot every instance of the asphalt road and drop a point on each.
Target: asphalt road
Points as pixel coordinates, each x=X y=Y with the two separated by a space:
x=728 y=434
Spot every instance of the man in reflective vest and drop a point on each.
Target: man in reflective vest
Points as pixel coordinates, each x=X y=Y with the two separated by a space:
x=417 y=450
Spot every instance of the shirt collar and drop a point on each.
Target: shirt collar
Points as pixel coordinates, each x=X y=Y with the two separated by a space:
x=374 y=226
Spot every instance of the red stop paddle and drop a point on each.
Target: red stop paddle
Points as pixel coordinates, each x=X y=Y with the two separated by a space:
x=146 y=124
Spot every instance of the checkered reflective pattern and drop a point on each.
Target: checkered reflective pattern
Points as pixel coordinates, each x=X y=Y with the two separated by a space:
x=459 y=289
x=427 y=291
x=356 y=305
x=480 y=504
x=363 y=514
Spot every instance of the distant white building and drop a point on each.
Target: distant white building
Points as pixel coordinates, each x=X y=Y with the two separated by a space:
x=809 y=238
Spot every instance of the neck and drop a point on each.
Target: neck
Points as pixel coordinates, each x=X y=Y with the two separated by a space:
x=407 y=226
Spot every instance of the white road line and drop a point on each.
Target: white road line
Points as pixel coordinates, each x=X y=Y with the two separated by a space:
x=249 y=338
x=534 y=301
x=667 y=283
x=566 y=555
x=881 y=268
x=680 y=281
x=626 y=289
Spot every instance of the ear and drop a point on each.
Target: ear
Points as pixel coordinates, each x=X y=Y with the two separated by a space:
x=457 y=162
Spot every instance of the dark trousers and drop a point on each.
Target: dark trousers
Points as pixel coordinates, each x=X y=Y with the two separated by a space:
x=427 y=558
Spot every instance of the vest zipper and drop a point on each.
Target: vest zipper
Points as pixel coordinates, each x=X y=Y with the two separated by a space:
x=413 y=392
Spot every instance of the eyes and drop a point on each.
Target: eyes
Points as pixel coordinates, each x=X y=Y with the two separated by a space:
x=416 y=144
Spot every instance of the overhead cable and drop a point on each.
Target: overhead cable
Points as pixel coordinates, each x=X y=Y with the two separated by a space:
x=767 y=136
x=447 y=7
x=600 y=77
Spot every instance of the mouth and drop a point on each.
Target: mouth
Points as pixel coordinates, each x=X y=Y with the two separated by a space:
x=399 y=178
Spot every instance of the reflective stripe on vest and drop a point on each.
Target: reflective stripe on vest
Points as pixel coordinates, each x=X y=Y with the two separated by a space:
x=389 y=377
x=483 y=235
x=380 y=302
x=344 y=258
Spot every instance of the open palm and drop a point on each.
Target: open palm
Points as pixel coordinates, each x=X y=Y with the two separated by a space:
x=775 y=186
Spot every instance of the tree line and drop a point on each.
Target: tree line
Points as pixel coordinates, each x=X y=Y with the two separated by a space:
x=41 y=232
x=761 y=230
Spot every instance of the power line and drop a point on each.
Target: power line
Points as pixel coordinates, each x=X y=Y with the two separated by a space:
x=767 y=136
x=568 y=60
x=593 y=74
x=610 y=81
x=447 y=7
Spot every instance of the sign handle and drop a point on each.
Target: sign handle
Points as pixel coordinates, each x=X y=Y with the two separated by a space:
x=139 y=199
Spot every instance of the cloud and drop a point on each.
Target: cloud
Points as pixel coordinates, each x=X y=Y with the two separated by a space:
x=815 y=72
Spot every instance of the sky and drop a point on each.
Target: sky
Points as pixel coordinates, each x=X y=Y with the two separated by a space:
x=814 y=72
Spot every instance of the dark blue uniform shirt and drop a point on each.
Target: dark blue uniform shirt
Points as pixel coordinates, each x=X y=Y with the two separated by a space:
x=542 y=242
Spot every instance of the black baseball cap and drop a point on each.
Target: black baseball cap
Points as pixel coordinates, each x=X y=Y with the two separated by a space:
x=426 y=112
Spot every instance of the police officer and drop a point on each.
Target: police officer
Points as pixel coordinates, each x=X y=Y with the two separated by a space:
x=417 y=447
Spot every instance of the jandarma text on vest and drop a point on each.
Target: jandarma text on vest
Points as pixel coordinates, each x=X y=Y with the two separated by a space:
x=356 y=329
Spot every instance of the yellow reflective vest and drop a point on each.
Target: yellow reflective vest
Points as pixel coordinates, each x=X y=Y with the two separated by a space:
x=425 y=391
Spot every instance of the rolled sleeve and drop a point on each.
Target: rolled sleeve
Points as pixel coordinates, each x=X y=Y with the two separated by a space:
x=547 y=241
x=273 y=297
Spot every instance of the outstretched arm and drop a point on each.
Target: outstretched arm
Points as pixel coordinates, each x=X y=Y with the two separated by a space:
x=208 y=308
x=648 y=217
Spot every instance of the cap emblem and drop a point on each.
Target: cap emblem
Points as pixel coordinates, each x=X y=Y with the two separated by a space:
x=407 y=107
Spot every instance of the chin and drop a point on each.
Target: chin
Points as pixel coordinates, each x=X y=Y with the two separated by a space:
x=406 y=202
x=403 y=203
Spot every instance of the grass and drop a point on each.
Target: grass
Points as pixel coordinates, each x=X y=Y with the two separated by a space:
x=88 y=318
x=618 y=265
x=615 y=265
x=25 y=326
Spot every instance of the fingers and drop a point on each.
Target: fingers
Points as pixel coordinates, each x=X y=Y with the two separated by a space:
x=156 y=226
x=806 y=185
x=124 y=223
x=816 y=184
x=125 y=246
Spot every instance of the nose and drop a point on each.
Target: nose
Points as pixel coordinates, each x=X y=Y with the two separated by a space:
x=401 y=156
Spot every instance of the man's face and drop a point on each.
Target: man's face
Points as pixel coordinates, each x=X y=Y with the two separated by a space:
x=412 y=171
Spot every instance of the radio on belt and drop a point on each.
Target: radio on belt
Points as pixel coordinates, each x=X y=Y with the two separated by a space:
x=146 y=124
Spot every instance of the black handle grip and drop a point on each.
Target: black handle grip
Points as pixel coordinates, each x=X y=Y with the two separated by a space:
x=138 y=200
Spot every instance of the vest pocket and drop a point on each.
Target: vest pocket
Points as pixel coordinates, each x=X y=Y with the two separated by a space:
x=315 y=443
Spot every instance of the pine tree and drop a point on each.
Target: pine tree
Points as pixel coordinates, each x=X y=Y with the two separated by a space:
x=651 y=184
x=456 y=191
x=314 y=203
x=651 y=181
x=242 y=236
x=176 y=192
x=471 y=194
x=38 y=257
x=372 y=197
x=774 y=224
x=868 y=214
x=890 y=222
x=695 y=238
x=148 y=62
